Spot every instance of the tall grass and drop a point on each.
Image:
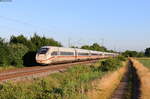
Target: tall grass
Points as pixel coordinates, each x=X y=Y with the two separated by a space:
x=73 y=84
x=144 y=75
x=6 y=68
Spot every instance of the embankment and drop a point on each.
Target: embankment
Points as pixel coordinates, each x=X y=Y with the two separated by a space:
x=144 y=78
x=103 y=88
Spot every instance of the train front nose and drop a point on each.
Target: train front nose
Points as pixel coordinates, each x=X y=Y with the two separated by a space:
x=42 y=59
x=42 y=56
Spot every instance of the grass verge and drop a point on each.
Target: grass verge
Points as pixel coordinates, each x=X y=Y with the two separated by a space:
x=104 y=87
x=6 y=68
x=144 y=75
x=73 y=84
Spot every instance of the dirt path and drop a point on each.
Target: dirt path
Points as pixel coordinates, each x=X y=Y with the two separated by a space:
x=129 y=87
x=105 y=86
x=124 y=83
x=143 y=75
x=122 y=89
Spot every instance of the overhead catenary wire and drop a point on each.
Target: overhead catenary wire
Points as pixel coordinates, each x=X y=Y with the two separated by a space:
x=25 y=23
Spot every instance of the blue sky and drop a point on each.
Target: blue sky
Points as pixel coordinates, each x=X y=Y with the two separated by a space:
x=117 y=24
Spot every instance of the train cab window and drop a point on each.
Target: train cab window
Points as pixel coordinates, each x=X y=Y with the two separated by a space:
x=54 y=53
x=43 y=51
x=67 y=53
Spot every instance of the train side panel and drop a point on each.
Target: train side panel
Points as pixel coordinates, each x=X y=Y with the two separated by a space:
x=82 y=54
x=65 y=55
x=54 y=53
x=49 y=54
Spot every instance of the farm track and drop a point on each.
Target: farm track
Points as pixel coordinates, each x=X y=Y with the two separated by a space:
x=129 y=87
x=36 y=71
x=122 y=88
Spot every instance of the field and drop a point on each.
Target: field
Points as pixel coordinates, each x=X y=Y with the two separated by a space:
x=145 y=61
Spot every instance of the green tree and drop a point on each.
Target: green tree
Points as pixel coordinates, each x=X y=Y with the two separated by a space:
x=4 y=53
x=22 y=40
x=38 y=42
x=95 y=47
x=18 y=39
x=140 y=54
x=86 y=47
x=17 y=53
x=147 y=52
x=20 y=50
x=130 y=53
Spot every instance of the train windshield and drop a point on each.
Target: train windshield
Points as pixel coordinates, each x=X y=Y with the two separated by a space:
x=43 y=50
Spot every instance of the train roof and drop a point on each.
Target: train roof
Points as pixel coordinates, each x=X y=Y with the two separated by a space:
x=92 y=51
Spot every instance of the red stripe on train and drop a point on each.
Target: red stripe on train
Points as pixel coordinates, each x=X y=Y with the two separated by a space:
x=66 y=56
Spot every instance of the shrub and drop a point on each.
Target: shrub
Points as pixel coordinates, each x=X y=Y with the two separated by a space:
x=110 y=64
x=121 y=58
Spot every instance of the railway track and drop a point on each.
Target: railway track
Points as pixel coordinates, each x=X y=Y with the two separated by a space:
x=37 y=71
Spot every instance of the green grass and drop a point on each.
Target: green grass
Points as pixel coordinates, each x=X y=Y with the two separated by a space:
x=69 y=85
x=6 y=68
x=72 y=84
x=145 y=61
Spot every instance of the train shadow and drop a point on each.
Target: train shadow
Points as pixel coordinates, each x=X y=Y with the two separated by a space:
x=29 y=59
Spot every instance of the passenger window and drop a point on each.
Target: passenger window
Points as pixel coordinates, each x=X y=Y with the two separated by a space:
x=66 y=53
x=94 y=54
x=83 y=54
x=55 y=53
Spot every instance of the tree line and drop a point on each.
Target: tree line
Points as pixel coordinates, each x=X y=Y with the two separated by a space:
x=95 y=47
x=20 y=51
x=129 y=53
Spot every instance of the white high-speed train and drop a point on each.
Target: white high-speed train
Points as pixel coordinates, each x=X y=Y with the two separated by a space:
x=50 y=54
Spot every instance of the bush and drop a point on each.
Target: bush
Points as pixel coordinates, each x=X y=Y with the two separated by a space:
x=121 y=58
x=110 y=64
